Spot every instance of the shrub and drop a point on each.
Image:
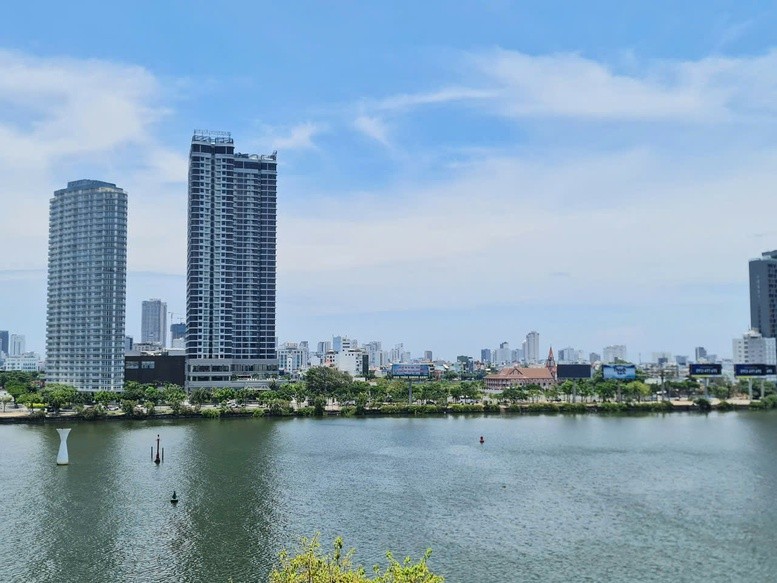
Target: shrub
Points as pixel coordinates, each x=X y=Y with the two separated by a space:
x=259 y=412
x=466 y=408
x=703 y=404
x=91 y=413
x=492 y=408
x=306 y=411
x=572 y=408
x=725 y=406
x=211 y=413
x=608 y=407
x=348 y=411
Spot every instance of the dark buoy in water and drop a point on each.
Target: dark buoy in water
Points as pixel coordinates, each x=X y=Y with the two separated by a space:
x=156 y=459
x=482 y=440
x=174 y=499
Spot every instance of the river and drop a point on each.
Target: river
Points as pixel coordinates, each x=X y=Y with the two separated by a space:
x=674 y=497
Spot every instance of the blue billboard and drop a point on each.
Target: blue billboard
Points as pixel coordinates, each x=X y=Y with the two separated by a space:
x=705 y=370
x=619 y=372
x=755 y=370
x=411 y=370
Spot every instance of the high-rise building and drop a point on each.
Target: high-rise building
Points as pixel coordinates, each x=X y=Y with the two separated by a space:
x=763 y=294
x=428 y=356
x=3 y=341
x=153 y=322
x=230 y=277
x=16 y=345
x=700 y=354
x=532 y=350
x=87 y=280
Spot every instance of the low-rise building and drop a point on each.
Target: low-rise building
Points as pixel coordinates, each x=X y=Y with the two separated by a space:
x=26 y=362
x=516 y=376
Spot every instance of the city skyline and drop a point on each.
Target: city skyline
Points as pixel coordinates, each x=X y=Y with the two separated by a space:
x=605 y=155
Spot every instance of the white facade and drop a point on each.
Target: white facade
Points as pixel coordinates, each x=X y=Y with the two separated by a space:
x=753 y=348
x=611 y=353
x=503 y=355
x=532 y=349
x=87 y=275
x=27 y=362
x=293 y=358
x=16 y=345
x=351 y=361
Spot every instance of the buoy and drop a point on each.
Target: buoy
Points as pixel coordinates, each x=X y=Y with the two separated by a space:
x=62 y=457
x=156 y=459
x=174 y=499
x=482 y=440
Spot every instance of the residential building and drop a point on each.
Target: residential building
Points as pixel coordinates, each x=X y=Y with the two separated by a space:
x=532 y=350
x=594 y=357
x=503 y=355
x=87 y=274
x=3 y=341
x=485 y=355
x=754 y=348
x=614 y=353
x=16 y=345
x=153 y=325
x=231 y=270
x=354 y=361
x=129 y=343
x=323 y=347
x=700 y=354
x=292 y=357
x=567 y=355
x=428 y=356
x=343 y=343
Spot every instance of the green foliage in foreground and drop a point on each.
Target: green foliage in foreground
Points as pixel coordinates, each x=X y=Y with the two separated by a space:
x=310 y=565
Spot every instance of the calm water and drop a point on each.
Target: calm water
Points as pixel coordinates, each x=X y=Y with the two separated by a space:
x=660 y=498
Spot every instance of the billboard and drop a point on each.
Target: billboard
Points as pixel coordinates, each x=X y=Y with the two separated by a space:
x=411 y=370
x=705 y=370
x=620 y=372
x=573 y=371
x=754 y=370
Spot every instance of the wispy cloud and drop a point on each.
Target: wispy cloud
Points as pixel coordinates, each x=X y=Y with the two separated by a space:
x=373 y=127
x=298 y=137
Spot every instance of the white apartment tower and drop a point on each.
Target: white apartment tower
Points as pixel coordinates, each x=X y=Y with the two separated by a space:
x=753 y=348
x=87 y=276
x=532 y=350
x=153 y=324
x=230 y=276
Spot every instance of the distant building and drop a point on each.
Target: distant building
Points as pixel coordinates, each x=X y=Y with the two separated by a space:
x=354 y=361
x=681 y=360
x=3 y=341
x=615 y=352
x=503 y=355
x=700 y=354
x=567 y=355
x=754 y=348
x=763 y=294
x=428 y=356
x=26 y=362
x=178 y=335
x=532 y=350
x=323 y=347
x=292 y=357
x=153 y=325
x=485 y=356
x=128 y=344
x=594 y=357
x=16 y=345
x=515 y=376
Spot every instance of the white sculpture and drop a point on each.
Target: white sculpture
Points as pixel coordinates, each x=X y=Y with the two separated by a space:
x=62 y=459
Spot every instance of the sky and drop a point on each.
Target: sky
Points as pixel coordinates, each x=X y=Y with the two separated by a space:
x=451 y=175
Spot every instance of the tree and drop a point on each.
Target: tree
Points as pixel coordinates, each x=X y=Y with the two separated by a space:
x=134 y=391
x=199 y=396
x=57 y=395
x=324 y=380
x=310 y=565
x=223 y=395
x=16 y=390
x=104 y=397
x=5 y=399
x=174 y=396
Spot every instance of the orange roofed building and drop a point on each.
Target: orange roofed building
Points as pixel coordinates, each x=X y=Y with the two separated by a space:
x=516 y=376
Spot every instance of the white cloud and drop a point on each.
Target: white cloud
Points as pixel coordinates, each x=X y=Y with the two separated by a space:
x=373 y=127
x=298 y=137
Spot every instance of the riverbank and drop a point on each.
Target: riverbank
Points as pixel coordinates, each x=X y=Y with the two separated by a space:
x=21 y=415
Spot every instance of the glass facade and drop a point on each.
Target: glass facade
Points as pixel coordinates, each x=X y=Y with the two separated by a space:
x=230 y=293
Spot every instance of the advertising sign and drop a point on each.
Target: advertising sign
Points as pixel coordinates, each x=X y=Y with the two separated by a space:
x=620 y=372
x=754 y=370
x=411 y=370
x=573 y=371
x=705 y=370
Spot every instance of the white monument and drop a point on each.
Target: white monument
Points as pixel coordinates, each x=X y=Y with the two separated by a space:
x=62 y=459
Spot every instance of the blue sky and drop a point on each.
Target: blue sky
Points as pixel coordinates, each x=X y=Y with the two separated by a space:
x=452 y=175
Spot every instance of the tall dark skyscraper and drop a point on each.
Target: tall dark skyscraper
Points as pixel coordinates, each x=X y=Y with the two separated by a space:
x=4 y=341
x=763 y=294
x=87 y=286
x=230 y=278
